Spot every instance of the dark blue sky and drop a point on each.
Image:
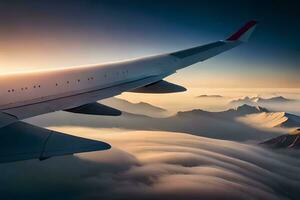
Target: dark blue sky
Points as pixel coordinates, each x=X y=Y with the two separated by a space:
x=139 y=28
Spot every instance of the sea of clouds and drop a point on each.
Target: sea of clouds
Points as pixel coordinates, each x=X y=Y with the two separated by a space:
x=157 y=165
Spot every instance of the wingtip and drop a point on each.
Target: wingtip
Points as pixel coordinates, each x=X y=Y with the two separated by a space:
x=244 y=33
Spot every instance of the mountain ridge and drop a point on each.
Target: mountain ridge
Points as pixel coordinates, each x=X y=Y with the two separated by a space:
x=259 y=100
x=286 y=141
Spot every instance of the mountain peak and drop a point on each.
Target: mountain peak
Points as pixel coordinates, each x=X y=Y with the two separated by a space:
x=141 y=108
x=247 y=109
x=287 y=141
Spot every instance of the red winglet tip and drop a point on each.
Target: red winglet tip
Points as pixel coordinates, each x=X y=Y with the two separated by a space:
x=243 y=30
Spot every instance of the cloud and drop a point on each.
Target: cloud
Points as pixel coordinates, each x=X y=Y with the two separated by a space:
x=156 y=165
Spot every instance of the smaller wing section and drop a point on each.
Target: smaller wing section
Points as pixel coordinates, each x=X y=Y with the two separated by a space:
x=22 y=141
x=196 y=54
x=95 y=109
x=6 y=119
x=160 y=87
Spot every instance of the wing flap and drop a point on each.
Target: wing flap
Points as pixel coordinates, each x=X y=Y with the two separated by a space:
x=160 y=87
x=22 y=141
x=95 y=109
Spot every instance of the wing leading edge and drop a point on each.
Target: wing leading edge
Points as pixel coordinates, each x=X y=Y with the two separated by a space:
x=200 y=53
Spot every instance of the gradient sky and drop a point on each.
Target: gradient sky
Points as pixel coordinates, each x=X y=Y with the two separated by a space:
x=44 y=34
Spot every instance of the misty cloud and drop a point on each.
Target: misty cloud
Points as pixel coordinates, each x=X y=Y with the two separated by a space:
x=157 y=165
x=219 y=125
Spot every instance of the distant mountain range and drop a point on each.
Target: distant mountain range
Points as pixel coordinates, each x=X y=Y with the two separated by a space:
x=220 y=125
x=259 y=100
x=228 y=114
x=278 y=99
x=140 y=108
x=209 y=96
x=239 y=124
x=284 y=141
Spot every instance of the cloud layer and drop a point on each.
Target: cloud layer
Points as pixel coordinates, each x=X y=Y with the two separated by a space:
x=156 y=165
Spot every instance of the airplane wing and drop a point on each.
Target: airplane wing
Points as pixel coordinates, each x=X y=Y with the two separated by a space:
x=19 y=141
x=149 y=84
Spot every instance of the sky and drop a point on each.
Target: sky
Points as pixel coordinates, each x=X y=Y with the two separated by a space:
x=53 y=34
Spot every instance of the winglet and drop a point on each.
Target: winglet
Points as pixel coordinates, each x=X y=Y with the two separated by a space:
x=244 y=33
